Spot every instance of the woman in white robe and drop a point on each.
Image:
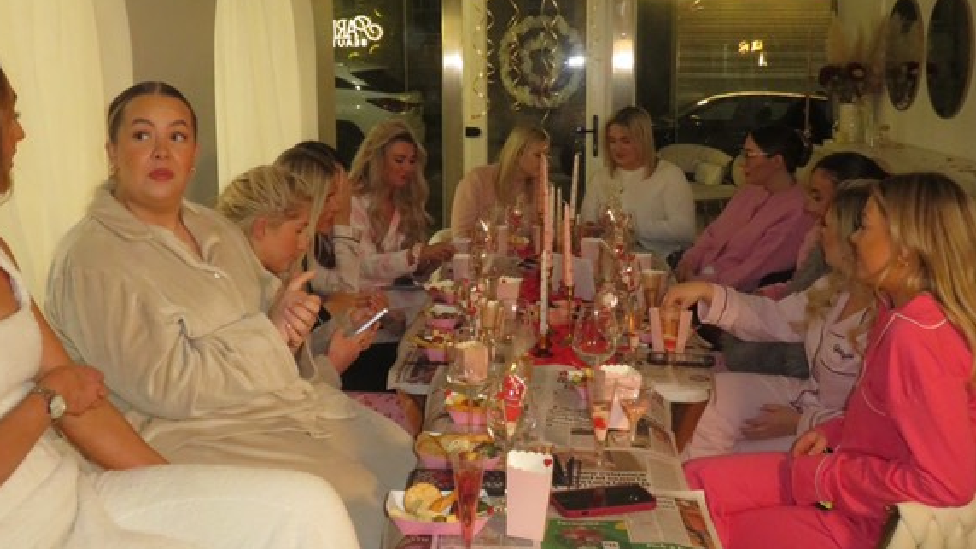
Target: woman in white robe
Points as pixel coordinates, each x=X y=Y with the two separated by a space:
x=48 y=498
x=195 y=336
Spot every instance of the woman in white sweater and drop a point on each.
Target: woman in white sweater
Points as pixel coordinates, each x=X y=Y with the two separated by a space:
x=654 y=192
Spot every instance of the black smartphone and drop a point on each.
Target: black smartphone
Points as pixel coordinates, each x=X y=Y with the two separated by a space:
x=688 y=360
x=603 y=500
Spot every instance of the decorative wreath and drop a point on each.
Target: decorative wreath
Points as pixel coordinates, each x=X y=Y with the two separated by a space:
x=532 y=56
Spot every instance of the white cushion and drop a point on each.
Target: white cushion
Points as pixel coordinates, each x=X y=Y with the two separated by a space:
x=923 y=527
x=707 y=173
x=687 y=156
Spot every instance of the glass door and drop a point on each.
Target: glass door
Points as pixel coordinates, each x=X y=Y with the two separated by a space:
x=564 y=65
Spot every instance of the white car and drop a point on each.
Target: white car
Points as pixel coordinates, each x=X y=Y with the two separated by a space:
x=366 y=95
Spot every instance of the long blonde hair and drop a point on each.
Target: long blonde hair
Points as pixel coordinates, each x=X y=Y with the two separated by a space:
x=366 y=175
x=932 y=223
x=638 y=124
x=265 y=191
x=316 y=166
x=520 y=138
x=845 y=210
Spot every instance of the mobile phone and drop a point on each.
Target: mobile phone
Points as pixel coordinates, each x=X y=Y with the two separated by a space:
x=372 y=320
x=688 y=360
x=603 y=500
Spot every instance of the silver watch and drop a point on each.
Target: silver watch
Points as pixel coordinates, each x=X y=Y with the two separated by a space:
x=56 y=406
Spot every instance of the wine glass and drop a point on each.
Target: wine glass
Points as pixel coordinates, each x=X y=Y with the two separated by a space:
x=595 y=335
x=467 y=371
x=635 y=403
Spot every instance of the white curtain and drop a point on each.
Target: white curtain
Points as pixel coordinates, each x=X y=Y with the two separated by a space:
x=258 y=85
x=50 y=50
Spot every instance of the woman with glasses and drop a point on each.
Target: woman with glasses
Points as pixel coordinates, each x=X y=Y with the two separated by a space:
x=760 y=231
x=653 y=191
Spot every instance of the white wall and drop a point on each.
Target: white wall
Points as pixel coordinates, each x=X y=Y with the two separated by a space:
x=919 y=125
x=173 y=41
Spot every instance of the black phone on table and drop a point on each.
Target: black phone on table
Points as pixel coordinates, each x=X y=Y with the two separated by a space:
x=603 y=500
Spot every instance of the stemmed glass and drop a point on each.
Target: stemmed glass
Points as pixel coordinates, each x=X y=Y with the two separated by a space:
x=469 y=470
x=595 y=335
x=467 y=371
x=600 y=398
x=635 y=402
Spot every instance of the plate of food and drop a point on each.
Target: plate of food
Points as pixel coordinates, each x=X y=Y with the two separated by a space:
x=432 y=448
x=424 y=510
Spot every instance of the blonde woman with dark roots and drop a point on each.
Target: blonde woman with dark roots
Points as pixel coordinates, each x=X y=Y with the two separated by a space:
x=272 y=207
x=512 y=180
x=388 y=206
x=653 y=191
x=136 y=499
x=195 y=336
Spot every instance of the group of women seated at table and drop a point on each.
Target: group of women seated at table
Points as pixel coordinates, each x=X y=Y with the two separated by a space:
x=855 y=387
x=206 y=329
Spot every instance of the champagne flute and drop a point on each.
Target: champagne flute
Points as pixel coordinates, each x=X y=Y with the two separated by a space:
x=469 y=469
x=600 y=399
x=635 y=403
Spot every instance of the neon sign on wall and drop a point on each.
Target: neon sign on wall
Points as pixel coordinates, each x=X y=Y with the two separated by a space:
x=358 y=32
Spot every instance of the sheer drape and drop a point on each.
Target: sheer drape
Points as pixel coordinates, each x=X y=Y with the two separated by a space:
x=258 y=86
x=51 y=51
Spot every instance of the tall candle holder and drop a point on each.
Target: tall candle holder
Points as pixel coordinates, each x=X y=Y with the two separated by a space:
x=543 y=347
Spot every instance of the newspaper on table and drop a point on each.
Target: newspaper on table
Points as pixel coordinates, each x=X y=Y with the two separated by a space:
x=414 y=374
x=680 y=520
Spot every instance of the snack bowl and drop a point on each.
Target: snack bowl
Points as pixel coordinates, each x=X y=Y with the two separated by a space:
x=410 y=525
x=467 y=415
x=443 y=317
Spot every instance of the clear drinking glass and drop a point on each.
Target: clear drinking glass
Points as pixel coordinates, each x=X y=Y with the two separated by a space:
x=599 y=400
x=635 y=403
x=467 y=371
x=469 y=469
x=595 y=335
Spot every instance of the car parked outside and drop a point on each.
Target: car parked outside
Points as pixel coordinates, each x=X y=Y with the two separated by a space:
x=366 y=95
x=723 y=121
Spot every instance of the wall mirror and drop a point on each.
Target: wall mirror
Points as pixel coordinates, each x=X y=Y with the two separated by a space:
x=949 y=61
x=903 y=54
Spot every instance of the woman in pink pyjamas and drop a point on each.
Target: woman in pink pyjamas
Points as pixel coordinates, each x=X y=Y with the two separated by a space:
x=909 y=432
x=757 y=412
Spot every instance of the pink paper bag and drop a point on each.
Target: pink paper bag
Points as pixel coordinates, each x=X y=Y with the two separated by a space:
x=528 y=482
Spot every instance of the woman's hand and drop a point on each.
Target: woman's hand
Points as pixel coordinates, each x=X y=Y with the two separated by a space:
x=774 y=420
x=81 y=387
x=685 y=295
x=435 y=254
x=343 y=349
x=295 y=311
x=811 y=443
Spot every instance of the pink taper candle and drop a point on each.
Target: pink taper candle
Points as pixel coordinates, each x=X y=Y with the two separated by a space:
x=567 y=246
